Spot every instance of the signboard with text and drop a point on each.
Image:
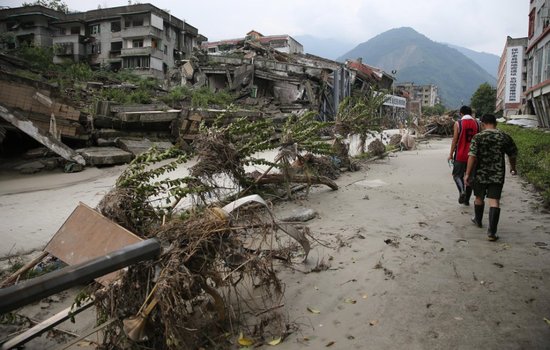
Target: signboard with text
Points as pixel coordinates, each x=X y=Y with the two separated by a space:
x=395 y=101
x=514 y=64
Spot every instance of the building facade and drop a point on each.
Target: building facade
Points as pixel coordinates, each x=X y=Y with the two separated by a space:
x=139 y=37
x=29 y=25
x=282 y=43
x=538 y=61
x=424 y=95
x=512 y=78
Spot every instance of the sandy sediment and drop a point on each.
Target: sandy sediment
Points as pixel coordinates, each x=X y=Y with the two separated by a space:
x=405 y=268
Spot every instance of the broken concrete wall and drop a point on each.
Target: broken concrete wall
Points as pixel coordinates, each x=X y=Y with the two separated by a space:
x=29 y=128
x=37 y=102
x=287 y=93
x=294 y=82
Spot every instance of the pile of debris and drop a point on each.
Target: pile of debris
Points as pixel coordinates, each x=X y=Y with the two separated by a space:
x=442 y=126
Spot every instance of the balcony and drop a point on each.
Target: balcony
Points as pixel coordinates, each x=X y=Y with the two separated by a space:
x=142 y=51
x=69 y=39
x=64 y=49
x=140 y=32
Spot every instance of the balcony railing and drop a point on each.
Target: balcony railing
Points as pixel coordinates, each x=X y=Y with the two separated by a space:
x=142 y=51
x=138 y=32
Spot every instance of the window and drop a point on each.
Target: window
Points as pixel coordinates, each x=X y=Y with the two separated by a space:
x=94 y=29
x=94 y=49
x=531 y=23
x=116 y=46
x=538 y=66
x=75 y=30
x=136 y=62
x=137 y=43
x=115 y=27
x=166 y=49
x=137 y=22
x=530 y=72
x=547 y=61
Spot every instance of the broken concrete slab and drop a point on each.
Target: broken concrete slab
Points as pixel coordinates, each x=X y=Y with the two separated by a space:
x=105 y=155
x=149 y=116
x=106 y=142
x=29 y=128
x=140 y=146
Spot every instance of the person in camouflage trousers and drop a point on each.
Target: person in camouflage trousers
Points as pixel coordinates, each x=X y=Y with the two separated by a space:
x=486 y=155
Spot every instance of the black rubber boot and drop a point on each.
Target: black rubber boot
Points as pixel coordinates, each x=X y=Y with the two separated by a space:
x=478 y=210
x=467 y=195
x=494 y=216
x=460 y=186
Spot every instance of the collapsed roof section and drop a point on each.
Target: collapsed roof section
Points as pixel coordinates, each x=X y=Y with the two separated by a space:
x=293 y=81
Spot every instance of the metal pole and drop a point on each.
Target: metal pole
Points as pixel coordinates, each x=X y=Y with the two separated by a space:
x=35 y=289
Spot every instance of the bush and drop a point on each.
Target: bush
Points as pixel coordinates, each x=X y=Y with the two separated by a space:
x=178 y=94
x=79 y=72
x=40 y=58
x=533 y=160
x=204 y=97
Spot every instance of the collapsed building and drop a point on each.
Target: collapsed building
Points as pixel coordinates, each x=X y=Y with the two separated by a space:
x=269 y=75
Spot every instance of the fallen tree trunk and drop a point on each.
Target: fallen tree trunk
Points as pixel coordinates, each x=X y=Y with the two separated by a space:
x=280 y=178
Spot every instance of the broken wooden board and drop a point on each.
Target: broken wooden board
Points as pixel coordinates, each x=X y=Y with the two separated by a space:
x=85 y=235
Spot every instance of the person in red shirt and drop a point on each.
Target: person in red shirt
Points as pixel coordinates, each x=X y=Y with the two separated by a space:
x=464 y=130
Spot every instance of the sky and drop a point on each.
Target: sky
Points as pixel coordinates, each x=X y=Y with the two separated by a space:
x=480 y=25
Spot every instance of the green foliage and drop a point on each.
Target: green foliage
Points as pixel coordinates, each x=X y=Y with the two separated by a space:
x=437 y=109
x=205 y=97
x=124 y=96
x=124 y=75
x=484 y=99
x=305 y=133
x=39 y=58
x=28 y=74
x=7 y=38
x=360 y=115
x=145 y=182
x=533 y=161
x=58 y=5
x=176 y=95
x=248 y=137
x=78 y=71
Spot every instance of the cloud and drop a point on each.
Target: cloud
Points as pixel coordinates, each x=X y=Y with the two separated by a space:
x=478 y=25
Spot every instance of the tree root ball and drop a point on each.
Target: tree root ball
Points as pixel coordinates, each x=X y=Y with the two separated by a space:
x=376 y=148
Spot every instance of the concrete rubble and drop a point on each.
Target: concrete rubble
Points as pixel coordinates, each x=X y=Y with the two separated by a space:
x=266 y=83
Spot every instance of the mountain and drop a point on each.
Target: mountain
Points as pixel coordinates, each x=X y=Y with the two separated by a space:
x=415 y=58
x=327 y=48
x=487 y=61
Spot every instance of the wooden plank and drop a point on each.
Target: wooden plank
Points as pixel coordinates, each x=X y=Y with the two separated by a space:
x=23 y=269
x=45 y=325
x=85 y=235
x=195 y=117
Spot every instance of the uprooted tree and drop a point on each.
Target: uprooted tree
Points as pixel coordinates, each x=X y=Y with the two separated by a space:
x=216 y=274
x=357 y=115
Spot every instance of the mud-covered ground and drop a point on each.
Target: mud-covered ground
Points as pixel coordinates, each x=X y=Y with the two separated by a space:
x=406 y=267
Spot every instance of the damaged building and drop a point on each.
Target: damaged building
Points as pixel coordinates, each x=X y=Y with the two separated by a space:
x=269 y=77
x=140 y=37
